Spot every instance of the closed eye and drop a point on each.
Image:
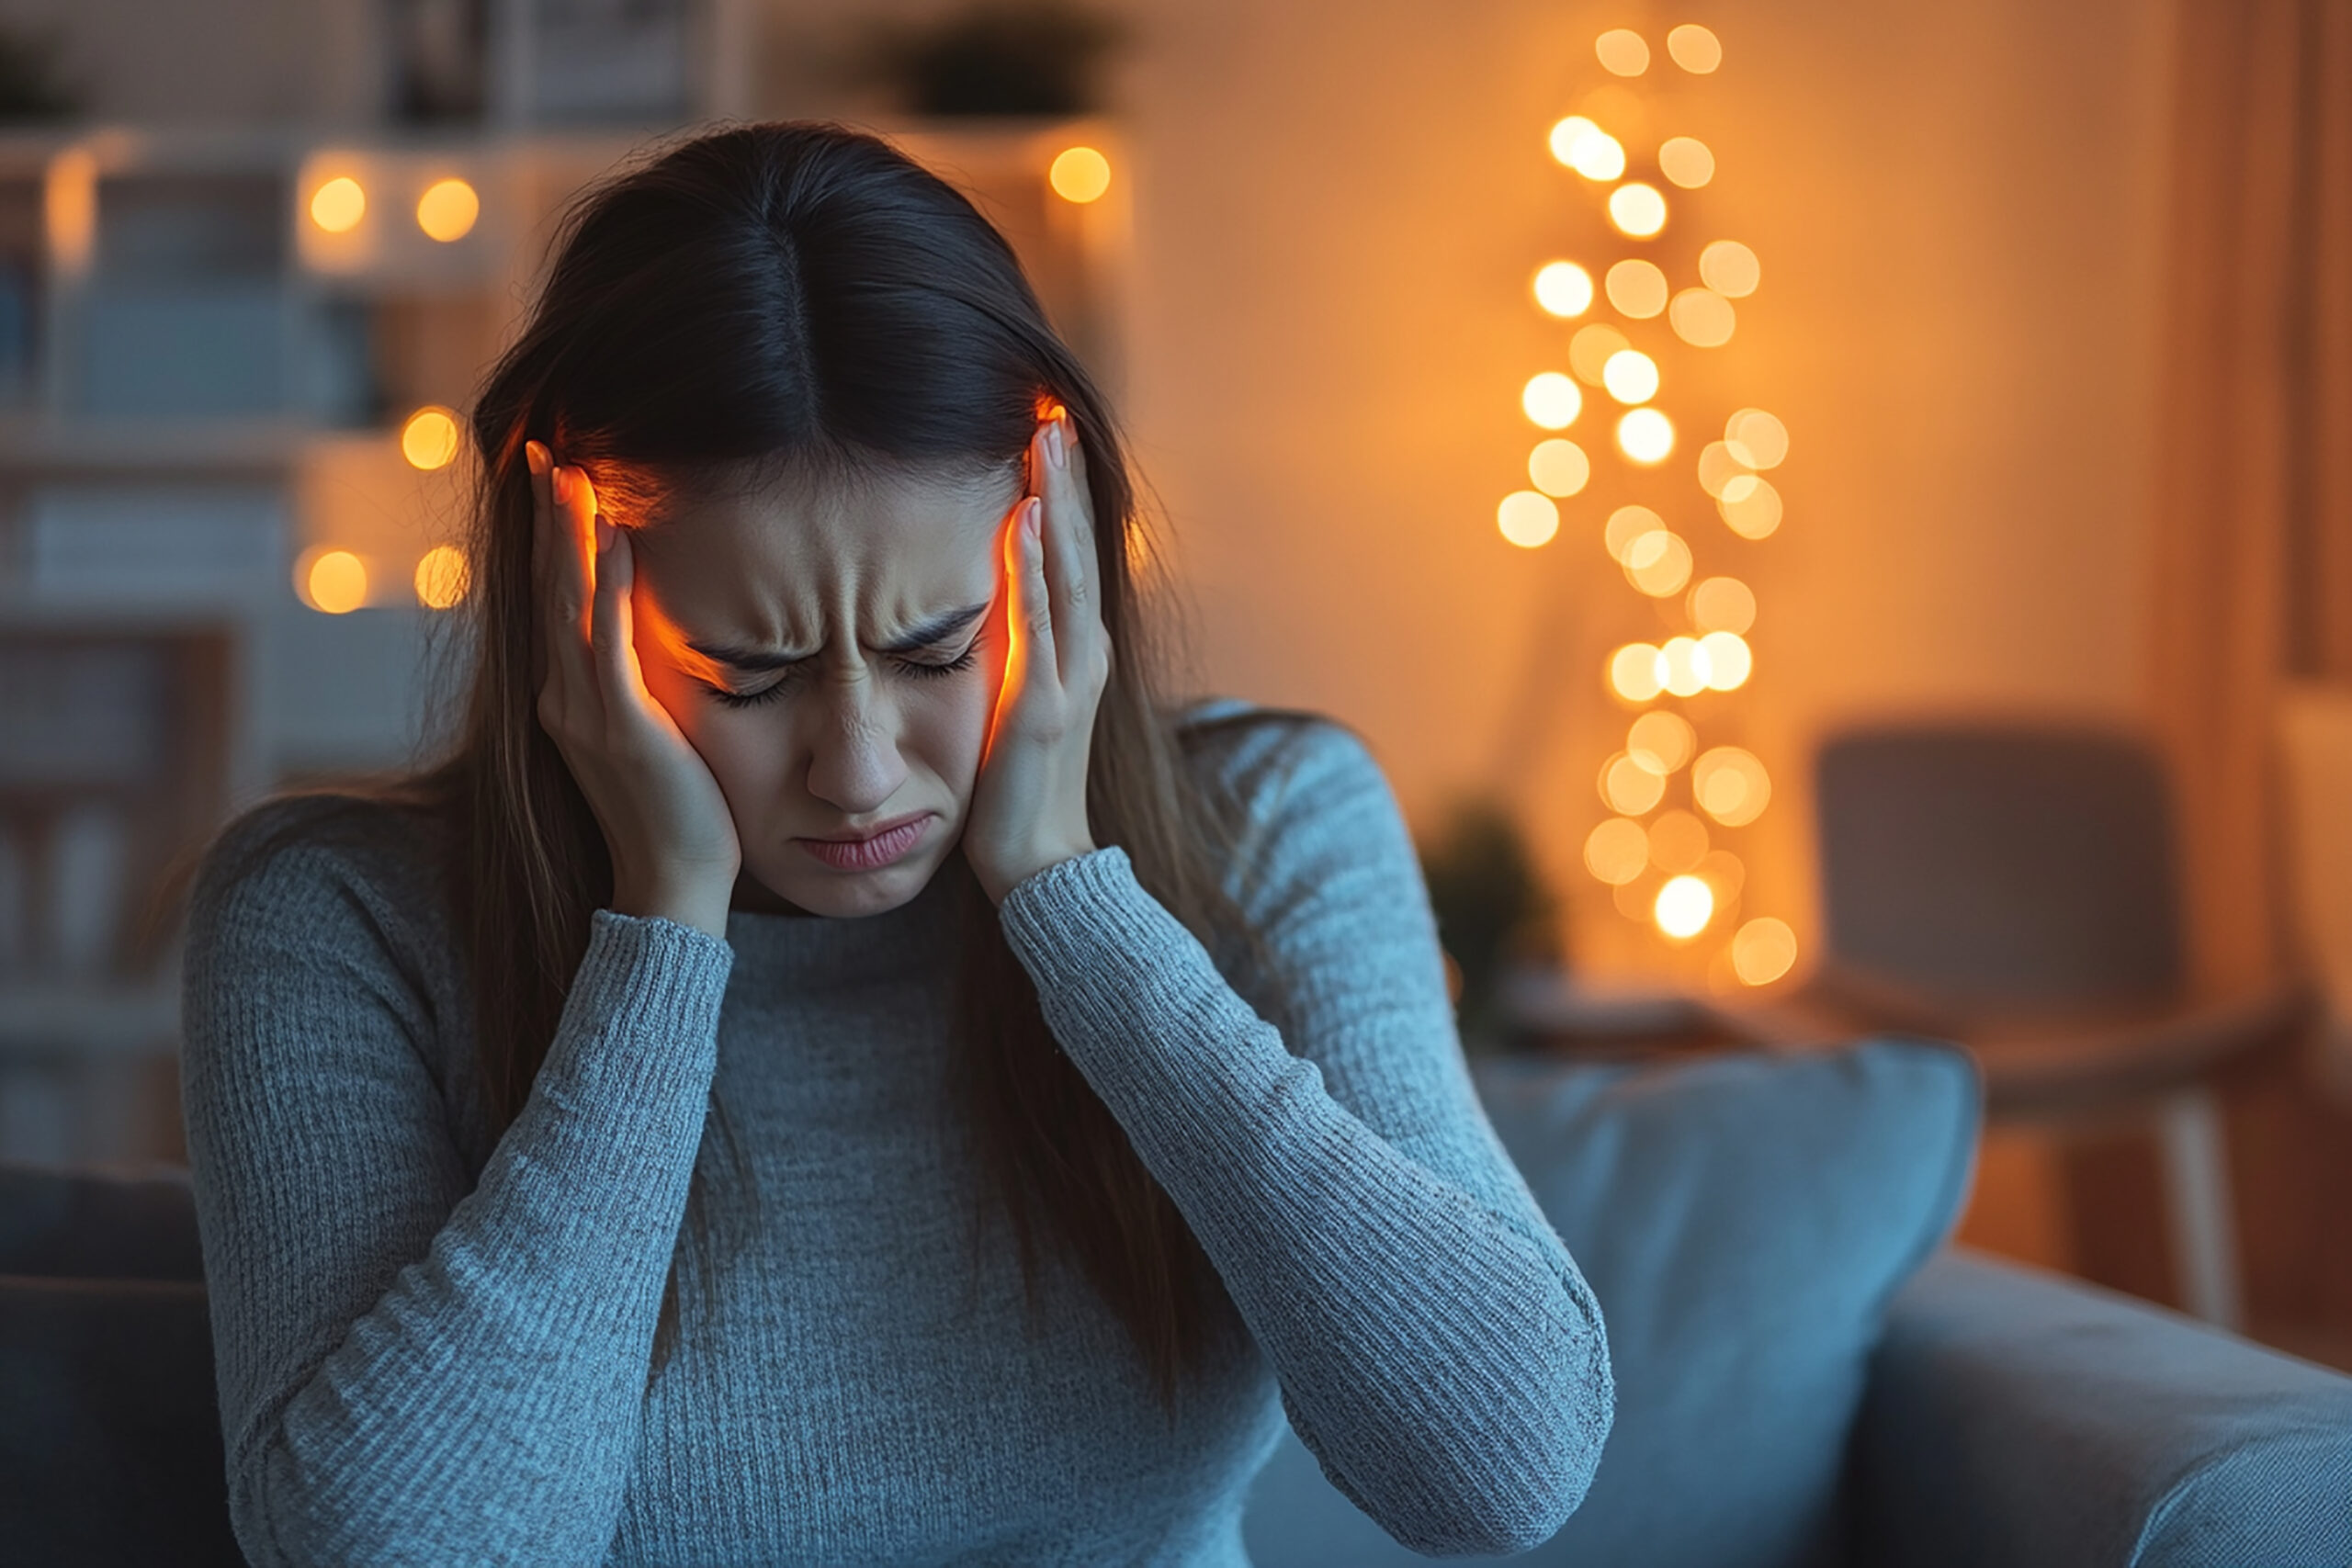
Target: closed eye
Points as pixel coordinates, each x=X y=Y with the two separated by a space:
x=923 y=670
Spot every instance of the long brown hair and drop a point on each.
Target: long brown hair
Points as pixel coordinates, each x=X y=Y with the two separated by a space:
x=803 y=294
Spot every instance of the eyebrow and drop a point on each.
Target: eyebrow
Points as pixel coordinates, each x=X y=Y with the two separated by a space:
x=743 y=655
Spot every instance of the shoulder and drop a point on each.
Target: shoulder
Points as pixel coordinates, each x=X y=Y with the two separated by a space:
x=322 y=867
x=1302 y=789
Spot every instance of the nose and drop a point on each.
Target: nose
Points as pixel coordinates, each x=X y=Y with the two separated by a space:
x=854 y=763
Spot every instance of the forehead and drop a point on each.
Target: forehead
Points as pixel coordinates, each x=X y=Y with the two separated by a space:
x=792 y=563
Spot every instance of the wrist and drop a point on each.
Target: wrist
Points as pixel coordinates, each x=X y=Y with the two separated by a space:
x=701 y=908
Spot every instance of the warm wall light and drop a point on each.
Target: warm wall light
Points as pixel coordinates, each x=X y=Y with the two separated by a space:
x=331 y=581
x=1528 y=519
x=429 y=439
x=1702 y=317
x=447 y=209
x=1694 y=49
x=1622 y=51
x=1730 y=269
x=1764 y=950
x=1646 y=436
x=1552 y=401
x=1564 y=288
x=1637 y=209
x=1687 y=160
x=442 y=578
x=1684 y=907
x=1630 y=375
x=1079 y=175
x=1558 y=466
x=1637 y=288
x=338 y=205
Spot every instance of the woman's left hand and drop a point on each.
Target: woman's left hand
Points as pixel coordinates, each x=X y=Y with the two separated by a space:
x=1029 y=804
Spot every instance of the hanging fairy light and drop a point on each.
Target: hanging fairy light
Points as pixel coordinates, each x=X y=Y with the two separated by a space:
x=1671 y=789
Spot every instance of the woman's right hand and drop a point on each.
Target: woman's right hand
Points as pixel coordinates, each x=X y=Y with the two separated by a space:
x=673 y=844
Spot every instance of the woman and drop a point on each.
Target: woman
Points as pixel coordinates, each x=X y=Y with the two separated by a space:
x=829 y=1069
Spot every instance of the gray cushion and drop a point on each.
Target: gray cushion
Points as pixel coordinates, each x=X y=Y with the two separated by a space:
x=1744 y=1220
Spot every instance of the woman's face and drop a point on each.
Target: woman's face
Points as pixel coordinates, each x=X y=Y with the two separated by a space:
x=860 y=630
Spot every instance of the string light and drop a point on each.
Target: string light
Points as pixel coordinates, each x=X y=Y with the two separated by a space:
x=1657 y=854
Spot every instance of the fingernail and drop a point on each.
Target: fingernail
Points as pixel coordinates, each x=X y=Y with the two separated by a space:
x=536 y=456
x=1054 y=452
x=1033 y=524
x=604 y=534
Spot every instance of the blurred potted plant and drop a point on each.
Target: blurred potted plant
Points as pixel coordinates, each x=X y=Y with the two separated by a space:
x=1493 y=910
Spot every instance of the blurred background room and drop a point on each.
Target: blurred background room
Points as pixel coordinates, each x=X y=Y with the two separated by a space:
x=1833 y=516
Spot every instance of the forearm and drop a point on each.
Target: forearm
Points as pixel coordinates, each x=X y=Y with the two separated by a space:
x=485 y=1406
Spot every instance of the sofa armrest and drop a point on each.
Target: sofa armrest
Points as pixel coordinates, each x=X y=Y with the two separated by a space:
x=2016 y=1416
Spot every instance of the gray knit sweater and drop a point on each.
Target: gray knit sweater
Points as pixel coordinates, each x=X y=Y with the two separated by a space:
x=433 y=1342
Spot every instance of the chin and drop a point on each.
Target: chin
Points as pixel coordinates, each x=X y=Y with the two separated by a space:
x=847 y=894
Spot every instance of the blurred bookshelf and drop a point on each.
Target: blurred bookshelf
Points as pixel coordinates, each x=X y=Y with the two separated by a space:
x=207 y=367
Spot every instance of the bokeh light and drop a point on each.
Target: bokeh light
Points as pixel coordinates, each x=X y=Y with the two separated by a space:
x=1687 y=160
x=1659 y=563
x=1725 y=873
x=429 y=439
x=1751 y=506
x=1564 y=288
x=1661 y=740
x=1079 y=174
x=1723 y=604
x=338 y=205
x=1694 y=49
x=1527 y=519
x=1718 y=467
x=1630 y=375
x=1765 y=949
x=1730 y=268
x=1617 y=852
x=1558 y=466
x=1552 y=401
x=1729 y=661
x=1633 y=673
x=447 y=209
x=1628 y=787
x=1623 y=52
x=1638 y=209
x=1589 y=150
x=1627 y=525
x=1702 y=317
x=1646 y=436
x=331 y=581
x=1637 y=288
x=1589 y=349
x=1756 y=438
x=1730 y=786
x=1682 y=666
x=1684 y=907
x=442 y=576
x=1678 y=842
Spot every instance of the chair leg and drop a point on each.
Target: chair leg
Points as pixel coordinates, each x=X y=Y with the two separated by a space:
x=2196 y=1192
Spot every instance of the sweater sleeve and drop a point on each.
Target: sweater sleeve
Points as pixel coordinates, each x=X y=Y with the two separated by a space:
x=1437 y=1350
x=414 y=1368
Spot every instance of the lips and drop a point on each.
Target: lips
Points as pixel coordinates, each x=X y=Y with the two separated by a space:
x=888 y=843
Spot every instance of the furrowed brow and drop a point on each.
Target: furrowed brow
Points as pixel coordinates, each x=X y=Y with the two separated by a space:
x=928 y=634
